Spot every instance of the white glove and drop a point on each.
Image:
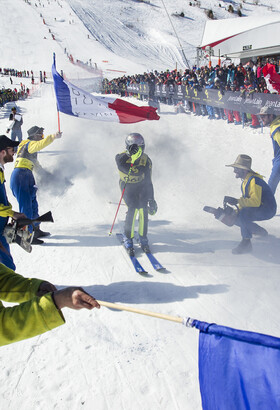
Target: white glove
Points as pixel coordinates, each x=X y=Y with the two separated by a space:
x=58 y=135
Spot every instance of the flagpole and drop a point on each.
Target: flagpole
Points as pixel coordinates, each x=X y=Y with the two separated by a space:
x=58 y=117
x=184 y=321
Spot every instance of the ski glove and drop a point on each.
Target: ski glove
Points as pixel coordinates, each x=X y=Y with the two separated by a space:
x=132 y=149
x=136 y=155
x=152 y=207
x=230 y=200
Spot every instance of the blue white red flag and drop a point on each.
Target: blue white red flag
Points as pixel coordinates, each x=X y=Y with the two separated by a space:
x=72 y=100
x=238 y=370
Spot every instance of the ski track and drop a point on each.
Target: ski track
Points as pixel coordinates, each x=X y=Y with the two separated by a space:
x=128 y=41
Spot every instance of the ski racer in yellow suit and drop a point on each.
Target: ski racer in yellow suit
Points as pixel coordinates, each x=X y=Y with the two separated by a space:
x=135 y=170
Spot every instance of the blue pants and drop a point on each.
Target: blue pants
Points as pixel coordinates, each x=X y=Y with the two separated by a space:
x=16 y=133
x=210 y=111
x=5 y=255
x=246 y=217
x=24 y=189
x=274 y=177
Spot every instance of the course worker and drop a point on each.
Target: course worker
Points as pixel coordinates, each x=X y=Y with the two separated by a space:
x=16 y=122
x=257 y=202
x=23 y=183
x=38 y=308
x=7 y=151
x=273 y=122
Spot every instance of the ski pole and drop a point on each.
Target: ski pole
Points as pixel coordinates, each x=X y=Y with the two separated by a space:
x=185 y=321
x=114 y=203
x=111 y=230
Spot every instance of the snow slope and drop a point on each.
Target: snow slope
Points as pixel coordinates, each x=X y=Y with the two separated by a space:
x=116 y=360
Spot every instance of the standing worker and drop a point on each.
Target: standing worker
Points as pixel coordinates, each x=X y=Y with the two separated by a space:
x=22 y=181
x=274 y=122
x=7 y=151
x=135 y=169
x=15 y=125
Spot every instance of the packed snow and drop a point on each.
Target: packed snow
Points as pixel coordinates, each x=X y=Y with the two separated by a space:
x=107 y=359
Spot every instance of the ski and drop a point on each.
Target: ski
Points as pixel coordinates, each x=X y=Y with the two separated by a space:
x=136 y=264
x=155 y=263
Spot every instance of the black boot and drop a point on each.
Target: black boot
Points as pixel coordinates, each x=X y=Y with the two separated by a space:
x=144 y=243
x=145 y=248
x=40 y=234
x=244 y=246
x=36 y=241
x=130 y=251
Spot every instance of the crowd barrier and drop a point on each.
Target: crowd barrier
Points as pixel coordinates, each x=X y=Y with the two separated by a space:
x=230 y=100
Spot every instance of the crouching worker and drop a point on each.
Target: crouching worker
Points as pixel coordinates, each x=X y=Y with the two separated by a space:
x=39 y=308
x=256 y=204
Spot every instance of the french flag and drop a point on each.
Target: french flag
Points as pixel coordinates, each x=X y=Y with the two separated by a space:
x=72 y=100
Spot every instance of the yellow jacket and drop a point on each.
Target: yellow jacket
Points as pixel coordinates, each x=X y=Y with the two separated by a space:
x=255 y=193
x=27 y=152
x=275 y=137
x=34 y=315
x=5 y=206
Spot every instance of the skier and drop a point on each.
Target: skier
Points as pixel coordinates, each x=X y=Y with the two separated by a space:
x=135 y=169
x=256 y=204
x=15 y=125
x=273 y=121
x=22 y=180
x=39 y=305
x=6 y=155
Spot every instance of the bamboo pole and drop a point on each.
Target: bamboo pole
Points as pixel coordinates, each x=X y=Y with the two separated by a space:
x=142 y=312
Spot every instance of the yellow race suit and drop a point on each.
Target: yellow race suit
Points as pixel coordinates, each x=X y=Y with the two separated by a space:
x=138 y=191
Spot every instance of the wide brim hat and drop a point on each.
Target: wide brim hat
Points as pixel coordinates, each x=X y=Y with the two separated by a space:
x=6 y=142
x=243 y=162
x=34 y=130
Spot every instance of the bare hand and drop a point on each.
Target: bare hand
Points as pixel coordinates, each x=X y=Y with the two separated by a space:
x=74 y=298
x=18 y=215
x=44 y=288
x=58 y=135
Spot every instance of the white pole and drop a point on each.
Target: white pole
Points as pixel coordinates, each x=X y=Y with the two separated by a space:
x=186 y=321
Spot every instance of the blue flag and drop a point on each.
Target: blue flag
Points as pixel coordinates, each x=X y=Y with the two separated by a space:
x=238 y=370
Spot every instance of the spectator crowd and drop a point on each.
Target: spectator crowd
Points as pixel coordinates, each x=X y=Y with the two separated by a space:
x=22 y=92
x=240 y=78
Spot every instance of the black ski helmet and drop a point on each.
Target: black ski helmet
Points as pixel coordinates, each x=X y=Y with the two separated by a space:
x=135 y=138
